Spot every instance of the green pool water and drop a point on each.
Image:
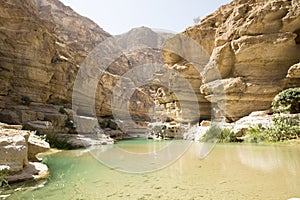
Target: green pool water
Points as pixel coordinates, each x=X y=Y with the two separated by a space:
x=230 y=171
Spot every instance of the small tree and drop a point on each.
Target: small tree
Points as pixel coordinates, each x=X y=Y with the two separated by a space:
x=287 y=101
x=63 y=111
x=26 y=100
x=197 y=20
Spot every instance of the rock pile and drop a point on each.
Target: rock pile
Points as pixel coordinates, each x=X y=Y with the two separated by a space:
x=18 y=150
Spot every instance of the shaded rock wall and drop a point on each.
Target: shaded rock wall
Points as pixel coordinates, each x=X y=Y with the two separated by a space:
x=34 y=62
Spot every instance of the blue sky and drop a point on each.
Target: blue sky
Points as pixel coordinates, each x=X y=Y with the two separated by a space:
x=119 y=16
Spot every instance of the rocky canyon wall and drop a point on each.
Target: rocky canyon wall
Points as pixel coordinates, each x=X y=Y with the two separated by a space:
x=254 y=49
x=40 y=57
x=43 y=44
x=249 y=49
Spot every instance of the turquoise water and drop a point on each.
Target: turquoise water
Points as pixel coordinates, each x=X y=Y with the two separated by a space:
x=230 y=171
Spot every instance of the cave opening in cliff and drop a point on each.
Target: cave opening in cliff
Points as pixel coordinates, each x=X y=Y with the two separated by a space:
x=297 y=39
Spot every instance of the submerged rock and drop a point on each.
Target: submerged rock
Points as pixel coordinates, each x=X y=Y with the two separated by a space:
x=75 y=141
x=32 y=171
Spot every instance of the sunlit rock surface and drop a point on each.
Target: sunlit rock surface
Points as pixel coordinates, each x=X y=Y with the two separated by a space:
x=43 y=45
x=252 y=46
x=17 y=149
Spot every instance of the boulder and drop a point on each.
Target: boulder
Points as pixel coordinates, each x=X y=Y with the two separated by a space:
x=13 y=149
x=116 y=134
x=205 y=123
x=196 y=132
x=11 y=126
x=75 y=141
x=9 y=116
x=36 y=146
x=32 y=171
x=16 y=147
x=57 y=120
x=4 y=169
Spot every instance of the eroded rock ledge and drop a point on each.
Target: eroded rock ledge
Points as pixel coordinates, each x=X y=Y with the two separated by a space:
x=254 y=51
x=42 y=47
x=18 y=150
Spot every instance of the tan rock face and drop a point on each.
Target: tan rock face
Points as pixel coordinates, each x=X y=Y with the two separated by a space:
x=42 y=46
x=252 y=46
x=129 y=68
x=74 y=30
x=33 y=63
x=13 y=149
x=125 y=89
x=177 y=85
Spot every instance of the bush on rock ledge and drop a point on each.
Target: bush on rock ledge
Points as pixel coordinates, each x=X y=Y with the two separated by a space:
x=287 y=101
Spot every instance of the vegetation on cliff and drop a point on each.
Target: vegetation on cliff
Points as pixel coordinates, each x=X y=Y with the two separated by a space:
x=286 y=119
x=282 y=125
x=287 y=101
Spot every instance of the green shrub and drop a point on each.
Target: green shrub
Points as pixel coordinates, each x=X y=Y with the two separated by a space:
x=26 y=100
x=284 y=128
x=212 y=134
x=69 y=124
x=221 y=135
x=63 y=111
x=58 y=142
x=287 y=101
x=256 y=134
x=3 y=181
x=227 y=135
x=43 y=137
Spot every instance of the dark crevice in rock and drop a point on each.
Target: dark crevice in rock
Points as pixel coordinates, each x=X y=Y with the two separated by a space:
x=297 y=39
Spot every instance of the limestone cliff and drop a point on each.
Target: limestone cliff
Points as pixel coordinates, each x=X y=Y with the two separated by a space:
x=140 y=52
x=248 y=48
x=74 y=30
x=137 y=43
x=43 y=44
x=40 y=57
x=252 y=46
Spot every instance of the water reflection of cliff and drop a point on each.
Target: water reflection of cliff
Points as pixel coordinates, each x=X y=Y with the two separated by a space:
x=270 y=157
